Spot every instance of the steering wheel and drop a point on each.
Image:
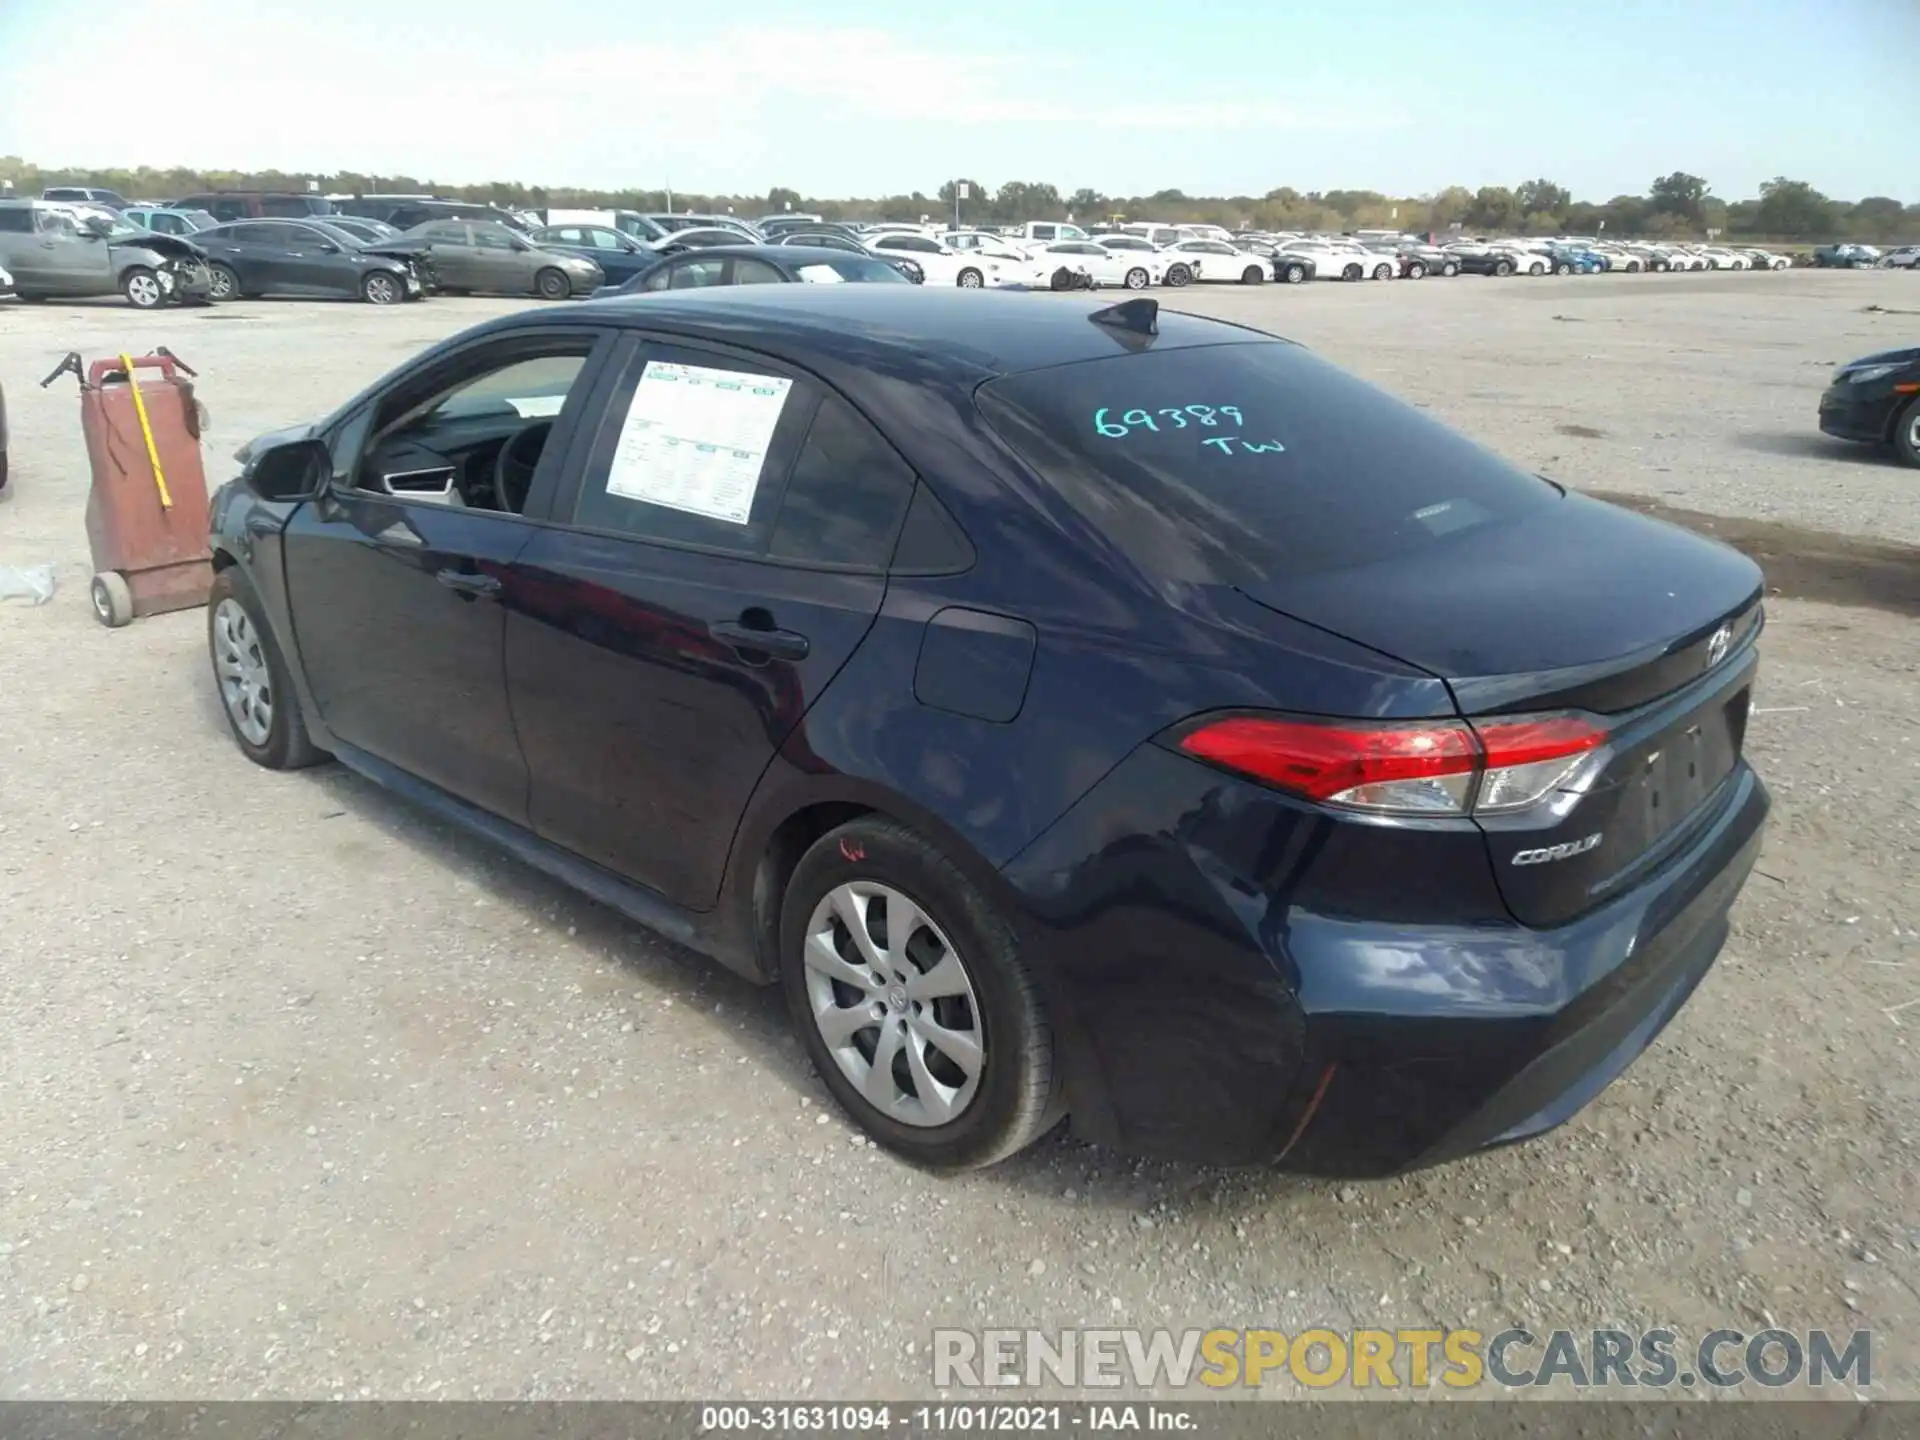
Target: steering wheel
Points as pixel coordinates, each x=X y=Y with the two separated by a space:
x=513 y=467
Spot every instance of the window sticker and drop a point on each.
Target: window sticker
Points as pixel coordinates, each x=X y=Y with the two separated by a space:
x=695 y=439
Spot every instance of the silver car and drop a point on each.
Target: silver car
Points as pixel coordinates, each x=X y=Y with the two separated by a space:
x=53 y=256
x=469 y=255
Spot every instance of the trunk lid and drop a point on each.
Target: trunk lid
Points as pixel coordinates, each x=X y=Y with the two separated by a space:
x=1577 y=606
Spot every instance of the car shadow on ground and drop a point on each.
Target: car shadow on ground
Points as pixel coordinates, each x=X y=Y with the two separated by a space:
x=1803 y=564
x=637 y=959
x=1798 y=446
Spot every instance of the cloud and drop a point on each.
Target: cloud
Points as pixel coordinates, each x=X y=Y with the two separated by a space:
x=831 y=110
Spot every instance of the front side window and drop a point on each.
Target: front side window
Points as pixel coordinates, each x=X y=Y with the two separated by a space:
x=693 y=449
x=695 y=275
x=756 y=272
x=476 y=440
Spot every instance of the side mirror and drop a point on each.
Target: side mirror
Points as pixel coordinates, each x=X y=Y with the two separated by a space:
x=289 y=473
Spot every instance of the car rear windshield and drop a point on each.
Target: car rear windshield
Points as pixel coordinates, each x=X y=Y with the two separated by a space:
x=1226 y=464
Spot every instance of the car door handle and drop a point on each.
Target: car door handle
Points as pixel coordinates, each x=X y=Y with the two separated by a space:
x=781 y=644
x=464 y=582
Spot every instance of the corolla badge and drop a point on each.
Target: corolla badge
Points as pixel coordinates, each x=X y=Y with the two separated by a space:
x=1717 y=646
x=1557 y=852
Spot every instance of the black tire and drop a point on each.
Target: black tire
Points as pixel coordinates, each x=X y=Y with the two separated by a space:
x=382 y=287
x=1137 y=279
x=287 y=745
x=1178 y=275
x=1503 y=268
x=970 y=279
x=1294 y=274
x=1063 y=279
x=1017 y=1097
x=27 y=298
x=1383 y=272
x=1561 y=267
x=1906 y=433
x=223 y=281
x=1633 y=267
x=1660 y=267
x=1450 y=269
x=1353 y=272
x=142 y=288
x=1416 y=270
x=1253 y=275
x=551 y=284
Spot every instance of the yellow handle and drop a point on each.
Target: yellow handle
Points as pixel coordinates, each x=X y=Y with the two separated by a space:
x=146 y=431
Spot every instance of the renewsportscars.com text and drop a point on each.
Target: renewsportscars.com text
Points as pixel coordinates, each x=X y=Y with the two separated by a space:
x=1409 y=1359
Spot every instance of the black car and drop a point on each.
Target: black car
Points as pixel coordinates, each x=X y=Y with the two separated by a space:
x=362 y=229
x=1876 y=400
x=305 y=258
x=619 y=256
x=1417 y=261
x=1293 y=269
x=838 y=240
x=756 y=265
x=409 y=214
x=1080 y=709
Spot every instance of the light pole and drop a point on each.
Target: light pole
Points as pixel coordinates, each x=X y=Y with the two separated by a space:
x=961 y=191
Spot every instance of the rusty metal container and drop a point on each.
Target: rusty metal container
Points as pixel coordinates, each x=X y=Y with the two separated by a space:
x=147 y=509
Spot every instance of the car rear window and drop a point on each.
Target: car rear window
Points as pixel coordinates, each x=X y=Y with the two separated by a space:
x=1226 y=464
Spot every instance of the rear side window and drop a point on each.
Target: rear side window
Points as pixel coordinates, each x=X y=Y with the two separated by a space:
x=1231 y=463
x=846 y=496
x=16 y=219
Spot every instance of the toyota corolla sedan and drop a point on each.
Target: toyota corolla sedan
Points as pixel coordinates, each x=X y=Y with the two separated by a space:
x=1876 y=400
x=1078 y=710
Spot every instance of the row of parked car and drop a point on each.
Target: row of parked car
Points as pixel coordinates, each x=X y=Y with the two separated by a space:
x=389 y=249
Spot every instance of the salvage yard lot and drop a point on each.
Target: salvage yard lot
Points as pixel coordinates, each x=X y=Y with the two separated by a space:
x=304 y=1095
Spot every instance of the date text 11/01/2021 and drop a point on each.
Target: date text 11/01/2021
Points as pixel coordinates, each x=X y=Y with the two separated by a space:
x=958 y=1419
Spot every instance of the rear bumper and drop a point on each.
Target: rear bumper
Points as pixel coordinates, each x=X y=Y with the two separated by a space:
x=1848 y=415
x=1220 y=996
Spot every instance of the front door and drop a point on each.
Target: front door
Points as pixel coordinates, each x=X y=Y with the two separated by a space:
x=502 y=265
x=455 y=262
x=399 y=573
x=719 y=555
x=72 y=263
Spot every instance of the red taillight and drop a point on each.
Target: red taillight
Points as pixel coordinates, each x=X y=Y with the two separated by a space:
x=1445 y=767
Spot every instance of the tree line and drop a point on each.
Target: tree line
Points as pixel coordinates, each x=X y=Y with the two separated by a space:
x=1676 y=206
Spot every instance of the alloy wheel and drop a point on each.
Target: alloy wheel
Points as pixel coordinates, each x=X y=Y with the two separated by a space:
x=894 y=1004
x=143 y=291
x=246 y=685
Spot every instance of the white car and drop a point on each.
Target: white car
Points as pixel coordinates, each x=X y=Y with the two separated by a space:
x=1215 y=260
x=1907 y=257
x=944 y=265
x=6 y=281
x=1768 y=260
x=1333 y=260
x=1721 y=259
x=1128 y=268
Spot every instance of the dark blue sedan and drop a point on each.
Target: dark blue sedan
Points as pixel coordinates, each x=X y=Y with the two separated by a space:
x=619 y=256
x=1079 y=710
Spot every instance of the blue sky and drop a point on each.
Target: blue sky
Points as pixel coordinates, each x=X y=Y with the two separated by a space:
x=1127 y=96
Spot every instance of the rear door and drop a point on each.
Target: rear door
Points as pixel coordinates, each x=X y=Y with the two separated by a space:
x=718 y=554
x=258 y=255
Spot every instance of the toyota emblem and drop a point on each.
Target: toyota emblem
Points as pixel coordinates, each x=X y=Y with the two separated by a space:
x=1717 y=646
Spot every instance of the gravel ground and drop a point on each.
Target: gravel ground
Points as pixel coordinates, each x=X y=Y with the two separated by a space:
x=305 y=1096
